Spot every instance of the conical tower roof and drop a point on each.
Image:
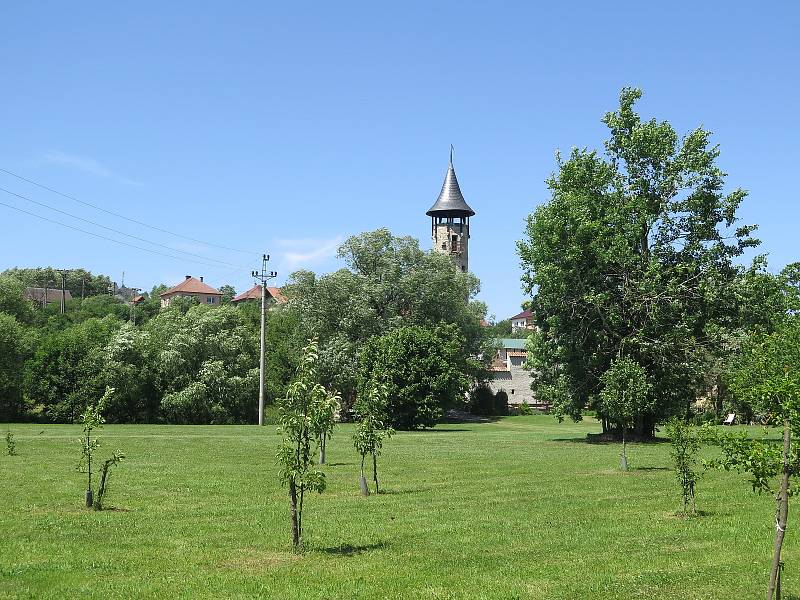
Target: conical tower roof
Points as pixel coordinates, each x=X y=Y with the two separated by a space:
x=451 y=201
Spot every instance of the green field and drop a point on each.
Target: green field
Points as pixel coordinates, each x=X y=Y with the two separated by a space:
x=519 y=508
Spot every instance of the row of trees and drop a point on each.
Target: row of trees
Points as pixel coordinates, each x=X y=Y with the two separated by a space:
x=395 y=313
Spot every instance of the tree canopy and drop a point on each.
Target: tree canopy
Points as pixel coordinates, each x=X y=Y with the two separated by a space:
x=423 y=371
x=389 y=283
x=633 y=255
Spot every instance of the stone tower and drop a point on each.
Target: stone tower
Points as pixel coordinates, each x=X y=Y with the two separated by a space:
x=450 y=220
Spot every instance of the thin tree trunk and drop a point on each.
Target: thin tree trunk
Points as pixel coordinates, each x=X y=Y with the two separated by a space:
x=101 y=489
x=89 y=499
x=362 y=481
x=322 y=450
x=295 y=524
x=782 y=513
x=375 y=472
x=624 y=460
x=300 y=516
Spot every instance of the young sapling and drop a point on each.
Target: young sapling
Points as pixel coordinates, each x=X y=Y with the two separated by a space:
x=371 y=429
x=305 y=414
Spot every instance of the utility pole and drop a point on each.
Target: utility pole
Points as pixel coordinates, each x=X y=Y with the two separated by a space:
x=63 y=273
x=133 y=304
x=263 y=277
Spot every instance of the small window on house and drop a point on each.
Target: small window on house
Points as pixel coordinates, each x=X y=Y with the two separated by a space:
x=210 y=300
x=444 y=245
x=512 y=391
x=463 y=268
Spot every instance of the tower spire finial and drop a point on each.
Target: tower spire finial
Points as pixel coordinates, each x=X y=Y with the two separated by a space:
x=451 y=155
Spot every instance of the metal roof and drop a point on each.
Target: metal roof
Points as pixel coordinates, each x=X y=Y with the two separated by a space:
x=513 y=343
x=451 y=201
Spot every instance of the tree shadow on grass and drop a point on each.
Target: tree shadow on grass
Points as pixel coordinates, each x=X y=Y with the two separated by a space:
x=596 y=439
x=338 y=464
x=581 y=440
x=351 y=550
x=651 y=469
x=436 y=430
x=391 y=492
x=471 y=419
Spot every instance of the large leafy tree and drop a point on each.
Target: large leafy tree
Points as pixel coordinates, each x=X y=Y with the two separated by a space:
x=12 y=301
x=205 y=364
x=13 y=352
x=632 y=256
x=64 y=372
x=423 y=370
x=389 y=282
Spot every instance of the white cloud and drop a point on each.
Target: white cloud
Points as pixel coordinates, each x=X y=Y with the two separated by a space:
x=307 y=251
x=85 y=164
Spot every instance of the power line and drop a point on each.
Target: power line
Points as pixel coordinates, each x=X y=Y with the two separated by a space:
x=134 y=237
x=116 y=214
x=103 y=237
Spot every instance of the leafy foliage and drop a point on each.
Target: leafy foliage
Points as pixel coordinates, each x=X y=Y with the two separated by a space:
x=228 y=293
x=305 y=414
x=65 y=368
x=11 y=444
x=625 y=396
x=389 y=283
x=625 y=393
x=80 y=282
x=760 y=459
x=685 y=446
x=484 y=402
x=12 y=301
x=92 y=419
x=423 y=370
x=371 y=428
x=632 y=256
x=767 y=376
x=13 y=353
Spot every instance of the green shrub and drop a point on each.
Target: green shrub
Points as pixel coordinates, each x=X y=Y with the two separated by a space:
x=482 y=401
x=501 y=403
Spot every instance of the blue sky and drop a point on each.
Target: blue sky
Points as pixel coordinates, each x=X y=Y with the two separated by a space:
x=287 y=127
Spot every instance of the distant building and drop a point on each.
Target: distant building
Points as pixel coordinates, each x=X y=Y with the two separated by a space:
x=45 y=295
x=254 y=293
x=509 y=373
x=523 y=320
x=122 y=293
x=192 y=288
x=136 y=300
x=450 y=216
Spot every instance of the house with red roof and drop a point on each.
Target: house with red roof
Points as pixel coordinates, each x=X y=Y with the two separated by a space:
x=523 y=320
x=192 y=287
x=254 y=293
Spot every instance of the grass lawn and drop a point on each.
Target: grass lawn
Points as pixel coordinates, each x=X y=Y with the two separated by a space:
x=519 y=508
